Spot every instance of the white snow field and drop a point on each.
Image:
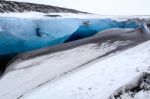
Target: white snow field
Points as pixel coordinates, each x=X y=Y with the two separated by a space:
x=50 y=76
x=36 y=15
x=25 y=75
x=87 y=71
x=97 y=80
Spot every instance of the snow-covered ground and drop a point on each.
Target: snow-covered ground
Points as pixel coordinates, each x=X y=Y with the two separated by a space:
x=51 y=75
x=99 y=79
x=80 y=72
x=25 y=75
x=37 y=15
x=23 y=15
x=34 y=15
x=76 y=73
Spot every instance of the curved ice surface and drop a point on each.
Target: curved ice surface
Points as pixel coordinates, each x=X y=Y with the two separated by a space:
x=19 y=35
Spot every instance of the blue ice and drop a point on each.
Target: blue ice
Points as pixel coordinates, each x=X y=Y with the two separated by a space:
x=19 y=35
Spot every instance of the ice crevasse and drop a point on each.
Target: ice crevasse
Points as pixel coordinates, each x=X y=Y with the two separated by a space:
x=19 y=35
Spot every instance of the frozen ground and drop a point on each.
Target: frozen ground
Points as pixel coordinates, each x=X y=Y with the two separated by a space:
x=28 y=75
x=93 y=68
x=77 y=72
x=100 y=78
x=34 y=70
x=35 y=15
x=25 y=75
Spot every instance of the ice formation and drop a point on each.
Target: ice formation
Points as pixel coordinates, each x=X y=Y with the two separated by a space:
x=20 y=35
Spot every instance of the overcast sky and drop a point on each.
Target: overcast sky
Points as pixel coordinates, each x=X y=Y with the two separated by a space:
x=105 y=7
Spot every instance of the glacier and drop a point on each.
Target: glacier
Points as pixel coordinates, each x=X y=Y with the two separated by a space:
x=80 y=57
x=20 y=35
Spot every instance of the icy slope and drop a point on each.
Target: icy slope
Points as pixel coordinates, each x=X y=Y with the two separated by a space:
x=99 y=79
x=33 y=69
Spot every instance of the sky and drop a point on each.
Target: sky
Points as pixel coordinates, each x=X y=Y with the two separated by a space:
x=103 y=7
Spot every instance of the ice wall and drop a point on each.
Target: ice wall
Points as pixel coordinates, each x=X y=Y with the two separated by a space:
x=91 y=27
x=20 y=35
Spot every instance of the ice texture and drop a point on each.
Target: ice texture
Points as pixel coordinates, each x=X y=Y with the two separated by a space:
x=20 y=34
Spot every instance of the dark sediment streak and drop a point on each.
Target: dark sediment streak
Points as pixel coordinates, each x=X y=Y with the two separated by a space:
x=4 y=59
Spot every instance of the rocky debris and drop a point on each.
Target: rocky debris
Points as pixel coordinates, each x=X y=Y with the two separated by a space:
x=141 y=85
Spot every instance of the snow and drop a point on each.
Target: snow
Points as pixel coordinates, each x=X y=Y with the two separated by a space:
x=98 y=79
x=23 y=15
x=51 y=75
x=37 y=15
x=25 y=75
